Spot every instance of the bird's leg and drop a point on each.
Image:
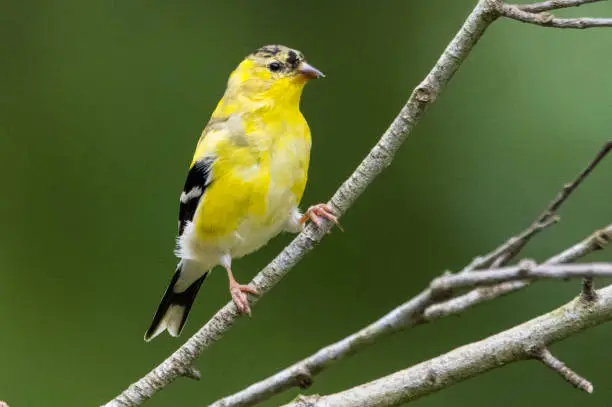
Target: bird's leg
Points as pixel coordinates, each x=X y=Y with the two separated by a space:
x=238 y=293
x=238 y=290
x=316 y=212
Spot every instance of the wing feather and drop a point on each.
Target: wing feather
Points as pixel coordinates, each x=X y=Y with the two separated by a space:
x=198 y=179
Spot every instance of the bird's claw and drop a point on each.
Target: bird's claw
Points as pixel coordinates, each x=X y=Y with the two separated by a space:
x=238 y=292
x=316 y=212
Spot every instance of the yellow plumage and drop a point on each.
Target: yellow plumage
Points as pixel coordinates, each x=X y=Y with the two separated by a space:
x=262 y=153
x=246 y=178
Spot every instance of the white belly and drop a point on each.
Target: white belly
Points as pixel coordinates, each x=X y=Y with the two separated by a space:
x=250 y=235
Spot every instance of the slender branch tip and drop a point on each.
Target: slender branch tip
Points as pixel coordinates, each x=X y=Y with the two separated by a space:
x=573 y=378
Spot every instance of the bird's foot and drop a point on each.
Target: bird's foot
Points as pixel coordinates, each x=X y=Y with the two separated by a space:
x=238 y=292
x=316 y=212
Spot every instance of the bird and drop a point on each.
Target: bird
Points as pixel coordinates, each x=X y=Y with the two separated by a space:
x=245 y=181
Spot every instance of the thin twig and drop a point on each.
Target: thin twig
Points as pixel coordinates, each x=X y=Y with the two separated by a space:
x=553 y=5
x=508 y=250
x=573 y=378
x=545 y=19
x=595 y=241
x=375 y=162
x=477 y=296
x=549 y=215
x=570 y=187
x=509 y=245
x=526 y=270
x=510 y=346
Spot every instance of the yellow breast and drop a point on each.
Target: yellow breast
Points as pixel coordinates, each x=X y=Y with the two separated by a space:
x=258 y=177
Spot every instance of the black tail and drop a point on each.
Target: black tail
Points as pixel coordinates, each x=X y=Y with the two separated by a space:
x=174 y=307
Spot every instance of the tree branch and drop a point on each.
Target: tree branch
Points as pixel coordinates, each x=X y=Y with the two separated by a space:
x=378 y=159
x=519 y=343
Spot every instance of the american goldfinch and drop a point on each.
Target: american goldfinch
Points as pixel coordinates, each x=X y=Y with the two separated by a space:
x=245 y=181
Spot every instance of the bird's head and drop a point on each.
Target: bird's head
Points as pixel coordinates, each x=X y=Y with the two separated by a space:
x=273 y=72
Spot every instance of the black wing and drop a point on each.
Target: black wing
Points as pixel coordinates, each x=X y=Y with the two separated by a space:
x=197 y=181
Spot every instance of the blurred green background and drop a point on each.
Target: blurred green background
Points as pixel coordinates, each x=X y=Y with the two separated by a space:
x=102 y=103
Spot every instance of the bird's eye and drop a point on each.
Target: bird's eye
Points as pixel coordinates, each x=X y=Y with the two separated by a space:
x=274 y=67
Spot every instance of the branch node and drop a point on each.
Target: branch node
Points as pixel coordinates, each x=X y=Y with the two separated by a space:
x=588 y=293
x=190 y=372
x=432 y=376
x=551 y=219
x=439 y=286
x=424 y=94
x=533 y=350
x=601 y=239
x=303 y=378
x=526 y=266
x=546 y=18
x=568 y=374
x=494 y=9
